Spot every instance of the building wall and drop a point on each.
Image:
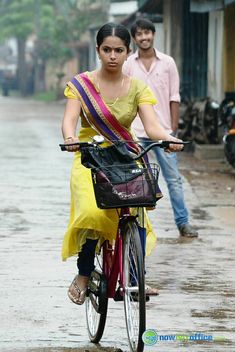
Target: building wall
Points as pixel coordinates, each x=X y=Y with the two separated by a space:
x=215 y=55
x=159 y=37
x=167 y=20
x=206 y=68
x=176 y=32
x=173 y=11
x=69 y=69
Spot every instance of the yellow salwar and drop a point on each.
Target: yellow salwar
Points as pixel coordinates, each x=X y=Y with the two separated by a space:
x=86 y=220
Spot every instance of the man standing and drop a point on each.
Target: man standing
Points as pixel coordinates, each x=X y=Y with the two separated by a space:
x=159 y=72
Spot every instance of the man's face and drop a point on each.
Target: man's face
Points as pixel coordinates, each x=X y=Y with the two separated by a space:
x=144 y=38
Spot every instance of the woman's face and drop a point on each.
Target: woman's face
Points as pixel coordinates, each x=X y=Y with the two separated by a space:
x=112 y=53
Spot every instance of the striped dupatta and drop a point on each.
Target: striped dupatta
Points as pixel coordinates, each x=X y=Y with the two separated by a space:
x=98 y=114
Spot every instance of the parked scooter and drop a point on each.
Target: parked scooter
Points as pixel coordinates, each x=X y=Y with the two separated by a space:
x=227 y=121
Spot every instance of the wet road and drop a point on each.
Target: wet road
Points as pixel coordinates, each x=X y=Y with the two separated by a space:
x=196 y=278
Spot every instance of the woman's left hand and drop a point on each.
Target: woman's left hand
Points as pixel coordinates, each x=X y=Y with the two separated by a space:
x=174 y=147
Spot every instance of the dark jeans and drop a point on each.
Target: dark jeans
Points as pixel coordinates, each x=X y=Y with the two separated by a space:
x=85 y=261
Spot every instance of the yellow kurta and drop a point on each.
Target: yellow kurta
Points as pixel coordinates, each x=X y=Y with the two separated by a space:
x=86 y=220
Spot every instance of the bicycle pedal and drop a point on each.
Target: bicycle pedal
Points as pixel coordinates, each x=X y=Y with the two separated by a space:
x=118 y=296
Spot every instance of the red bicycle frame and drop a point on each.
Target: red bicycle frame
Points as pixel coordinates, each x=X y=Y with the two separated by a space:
x=113 y=256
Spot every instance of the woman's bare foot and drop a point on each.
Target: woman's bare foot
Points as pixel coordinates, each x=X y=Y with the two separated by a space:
x=77 y=289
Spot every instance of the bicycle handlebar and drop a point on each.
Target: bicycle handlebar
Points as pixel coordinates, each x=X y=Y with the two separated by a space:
x=160 y=144
x=81 y=144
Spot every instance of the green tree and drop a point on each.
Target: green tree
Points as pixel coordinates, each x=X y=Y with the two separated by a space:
x=15 y=21
x=57 y=26
x=20 y=19
x=52 y=28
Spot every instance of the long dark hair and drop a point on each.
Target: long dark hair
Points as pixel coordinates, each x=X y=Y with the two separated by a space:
x=113 y=29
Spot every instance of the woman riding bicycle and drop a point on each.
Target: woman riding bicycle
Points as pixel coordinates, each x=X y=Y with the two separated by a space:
x=107 y=101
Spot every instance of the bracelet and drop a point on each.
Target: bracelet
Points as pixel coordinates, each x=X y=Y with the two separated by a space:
x=67 y=138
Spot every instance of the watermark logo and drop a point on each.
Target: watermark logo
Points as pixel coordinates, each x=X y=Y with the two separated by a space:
x=150 y=337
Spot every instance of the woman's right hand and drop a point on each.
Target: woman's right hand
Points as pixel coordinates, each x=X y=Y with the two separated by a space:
x=71 y=140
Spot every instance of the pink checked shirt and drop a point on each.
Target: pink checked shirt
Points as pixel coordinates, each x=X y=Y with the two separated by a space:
x=163 y=79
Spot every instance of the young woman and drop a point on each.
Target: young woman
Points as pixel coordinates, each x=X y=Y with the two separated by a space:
x=107 y=101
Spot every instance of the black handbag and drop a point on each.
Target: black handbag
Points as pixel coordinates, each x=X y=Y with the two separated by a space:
x=118 y=179
x=115 y=161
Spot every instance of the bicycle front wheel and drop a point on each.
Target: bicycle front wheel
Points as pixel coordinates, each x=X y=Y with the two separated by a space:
x=134 y=286
x=97 y=301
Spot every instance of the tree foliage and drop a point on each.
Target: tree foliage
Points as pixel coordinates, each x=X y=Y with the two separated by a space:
x=15 y=18
x=55 y=24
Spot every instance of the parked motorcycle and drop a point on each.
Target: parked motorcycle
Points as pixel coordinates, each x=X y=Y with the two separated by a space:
x=227 y=121
x=199 y=121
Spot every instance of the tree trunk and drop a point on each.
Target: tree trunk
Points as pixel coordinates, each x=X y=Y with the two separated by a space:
x=22 y=69
x=40 y=69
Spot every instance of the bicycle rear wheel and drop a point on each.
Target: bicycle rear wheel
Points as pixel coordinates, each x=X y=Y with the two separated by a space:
x=134 y=286
x=97 y=302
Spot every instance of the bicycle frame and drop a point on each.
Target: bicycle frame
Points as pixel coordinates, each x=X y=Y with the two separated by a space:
x=113 y=257
x=121 y=278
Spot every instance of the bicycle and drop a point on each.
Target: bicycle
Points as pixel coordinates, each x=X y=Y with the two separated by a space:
x=119 y=267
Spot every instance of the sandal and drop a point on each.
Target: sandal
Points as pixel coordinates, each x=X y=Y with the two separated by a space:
x=151 y=291
x=75 y=293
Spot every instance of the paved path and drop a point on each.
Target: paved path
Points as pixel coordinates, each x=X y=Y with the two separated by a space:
x=195 y=277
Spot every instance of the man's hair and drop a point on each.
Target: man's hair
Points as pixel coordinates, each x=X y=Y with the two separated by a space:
x=142 y=23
